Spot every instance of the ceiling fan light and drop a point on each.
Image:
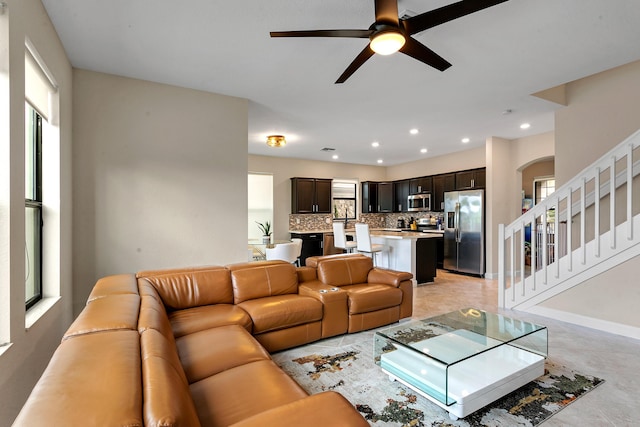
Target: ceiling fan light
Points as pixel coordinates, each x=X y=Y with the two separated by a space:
x=387 y=42
x=276 y=141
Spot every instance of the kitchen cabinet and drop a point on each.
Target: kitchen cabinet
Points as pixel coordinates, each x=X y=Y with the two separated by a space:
x=441 y=184
x=377 y=197
x=312 y=245
x=369 y=196
x=421 y=185
x=385 y=197
x=310 y=195
x=401 y=191
x=474 y=178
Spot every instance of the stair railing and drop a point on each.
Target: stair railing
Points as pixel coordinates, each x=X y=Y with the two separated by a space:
x=569 y=232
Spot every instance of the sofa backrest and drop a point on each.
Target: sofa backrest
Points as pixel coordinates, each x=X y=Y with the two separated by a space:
x=167 y=400
x=92 y=380
x=344 y=271
x=190 y=287
x=263 y=281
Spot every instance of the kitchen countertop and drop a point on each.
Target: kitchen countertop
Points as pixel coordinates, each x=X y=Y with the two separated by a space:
x=391 y=233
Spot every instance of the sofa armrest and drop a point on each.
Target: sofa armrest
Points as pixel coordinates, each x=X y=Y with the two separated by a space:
x=335 y=312
x=388 y=277
x=323 y=409
x=306 y=274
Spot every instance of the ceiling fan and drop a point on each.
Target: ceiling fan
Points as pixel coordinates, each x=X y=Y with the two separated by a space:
x=389 y=33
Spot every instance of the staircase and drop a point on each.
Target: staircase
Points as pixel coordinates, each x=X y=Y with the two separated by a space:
x=584 y=228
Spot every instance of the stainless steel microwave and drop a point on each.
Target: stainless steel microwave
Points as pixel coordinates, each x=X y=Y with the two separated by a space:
x=419 y=202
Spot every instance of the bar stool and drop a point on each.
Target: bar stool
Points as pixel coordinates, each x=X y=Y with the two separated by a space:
x=340 y=238
x=298 y=243
x=363 y=238
x=284 y=251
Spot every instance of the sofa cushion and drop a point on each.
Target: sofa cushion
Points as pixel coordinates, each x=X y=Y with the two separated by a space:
x=243 y=391
x=212 y=351
x=282 y=311
x=264 y=281
x=114 y=285
x=193 y=287
x=329 y=408
x=196 y=319
x=78 y=387
x=364 y=298
x=344 y=271
x=154 y=316
x=118 y=311
x=167 y=401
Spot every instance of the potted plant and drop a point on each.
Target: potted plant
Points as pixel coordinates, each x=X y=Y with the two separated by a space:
x=266 y=231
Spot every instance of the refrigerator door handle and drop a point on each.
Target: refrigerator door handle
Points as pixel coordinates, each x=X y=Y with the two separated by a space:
x=457 y=220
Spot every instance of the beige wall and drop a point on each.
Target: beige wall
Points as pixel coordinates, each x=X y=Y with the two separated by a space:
x=602 y=112
x=283 y=169
x=22 y=363
x=505 y=161
x=160 y=177
x=469 y=159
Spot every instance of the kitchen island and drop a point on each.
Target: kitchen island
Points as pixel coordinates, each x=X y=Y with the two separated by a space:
x=412 y=251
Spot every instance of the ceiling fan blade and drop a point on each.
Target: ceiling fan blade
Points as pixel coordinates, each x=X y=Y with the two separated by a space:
x=360 y=59
x=357 y=34
x=447 y=13
x=418 y=51
x=387 y=11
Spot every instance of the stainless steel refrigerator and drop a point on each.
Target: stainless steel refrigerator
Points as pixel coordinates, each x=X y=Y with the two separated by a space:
x=464 y=231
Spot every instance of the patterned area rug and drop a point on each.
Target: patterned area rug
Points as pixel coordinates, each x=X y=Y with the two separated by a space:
x=351 y=371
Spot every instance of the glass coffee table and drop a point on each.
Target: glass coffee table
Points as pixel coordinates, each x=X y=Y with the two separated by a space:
x=462 y=360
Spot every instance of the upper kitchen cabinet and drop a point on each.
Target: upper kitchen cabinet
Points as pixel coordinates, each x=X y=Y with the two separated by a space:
x=421 y=185
x=369 y=196
x=401 y=190
x=310 y=195
x=475 y=178
x=377 y=197
x=385 y=197
x=441 y=184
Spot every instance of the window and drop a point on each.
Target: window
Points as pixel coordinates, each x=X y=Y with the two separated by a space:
x=344 y=199
x=260 y=202
x=33 y=206
x=542 y=188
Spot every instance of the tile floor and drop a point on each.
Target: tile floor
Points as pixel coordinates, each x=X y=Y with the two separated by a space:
x=614 y=358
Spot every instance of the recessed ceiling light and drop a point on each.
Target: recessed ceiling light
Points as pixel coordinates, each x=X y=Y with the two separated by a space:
x=334 y=157
x=465 y=140
x=414 y=131
x=375 y=144
x=525 y=126
x=379 y=160
x=424 y=150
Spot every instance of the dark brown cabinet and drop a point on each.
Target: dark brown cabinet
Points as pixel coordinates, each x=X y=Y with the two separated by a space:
x=421 y=185
x=377 y=197
x=401 y=191
x=441 y=184
x=310 y=195
x=474 y=178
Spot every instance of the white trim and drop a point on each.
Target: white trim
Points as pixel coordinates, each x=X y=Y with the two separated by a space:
x=588 y=322
x=40 y=309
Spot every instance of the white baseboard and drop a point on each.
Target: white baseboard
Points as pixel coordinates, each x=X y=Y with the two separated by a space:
x=588 y=322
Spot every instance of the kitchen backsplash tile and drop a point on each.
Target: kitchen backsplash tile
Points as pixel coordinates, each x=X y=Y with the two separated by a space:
x=320 y=222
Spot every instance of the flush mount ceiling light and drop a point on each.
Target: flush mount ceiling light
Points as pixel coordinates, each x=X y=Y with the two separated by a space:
x=414 y=131
x=525 y=126
x=276 y=141
x=375 y=144
x=387 y=42
x=465 y=140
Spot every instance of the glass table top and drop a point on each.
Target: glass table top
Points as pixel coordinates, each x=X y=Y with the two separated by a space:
x=459 y=335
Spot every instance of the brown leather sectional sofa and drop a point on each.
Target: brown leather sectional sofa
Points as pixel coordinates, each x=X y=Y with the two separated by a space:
x=190 y=347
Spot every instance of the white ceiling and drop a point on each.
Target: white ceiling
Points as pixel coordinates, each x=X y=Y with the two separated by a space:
x=500 y=56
